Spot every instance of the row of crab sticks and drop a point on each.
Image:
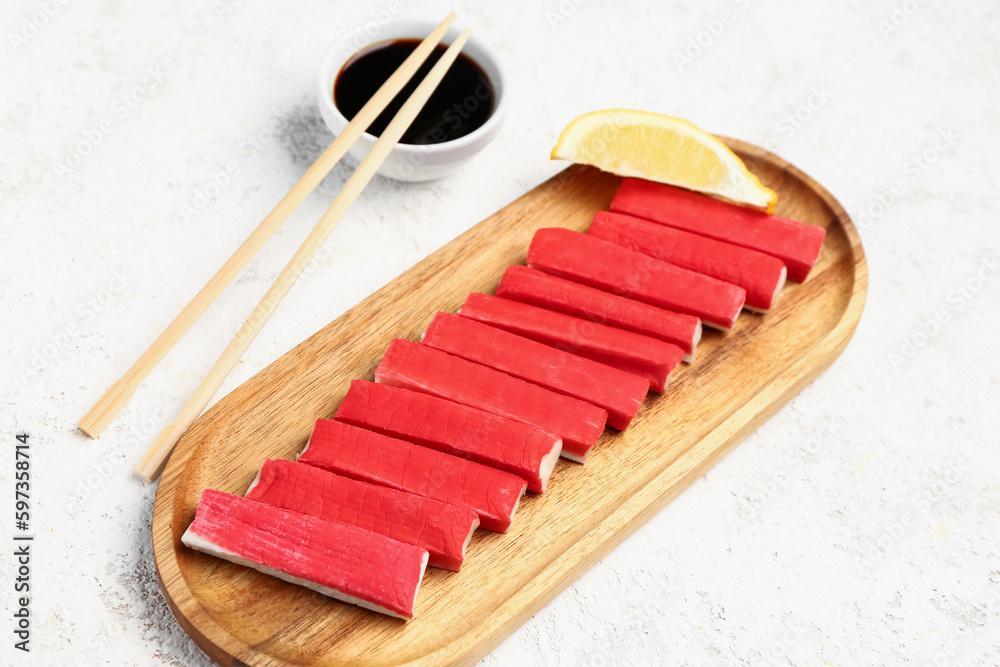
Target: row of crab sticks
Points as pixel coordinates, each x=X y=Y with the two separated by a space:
x=457 y=427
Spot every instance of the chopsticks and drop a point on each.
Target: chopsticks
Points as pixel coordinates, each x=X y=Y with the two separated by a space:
x=120 y=393
x=154 y=460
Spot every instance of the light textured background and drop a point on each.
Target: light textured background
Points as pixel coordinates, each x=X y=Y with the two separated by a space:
x=859 y=525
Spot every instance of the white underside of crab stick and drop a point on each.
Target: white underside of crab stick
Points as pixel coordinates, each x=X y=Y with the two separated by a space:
x=343 y=562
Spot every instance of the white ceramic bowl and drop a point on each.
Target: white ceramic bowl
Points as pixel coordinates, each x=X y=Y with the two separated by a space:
x=409 y=162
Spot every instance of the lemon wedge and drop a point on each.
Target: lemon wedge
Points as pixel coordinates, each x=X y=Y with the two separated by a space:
x=661 y=148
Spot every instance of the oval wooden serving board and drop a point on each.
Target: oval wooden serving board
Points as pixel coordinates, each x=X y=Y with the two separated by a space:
x=241 y=617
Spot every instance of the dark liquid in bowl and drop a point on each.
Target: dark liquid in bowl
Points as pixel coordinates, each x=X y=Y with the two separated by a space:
x=460 y=105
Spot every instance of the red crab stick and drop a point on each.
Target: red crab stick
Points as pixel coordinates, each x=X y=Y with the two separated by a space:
x=335 y=559
x=372 y=457
x=421 y=368
x=598 y=263
x=527 y=285
x=650 y=358
x=794 y=243
x=453 y=428
x=761 y=275
x=616 y=391
x=443 y=529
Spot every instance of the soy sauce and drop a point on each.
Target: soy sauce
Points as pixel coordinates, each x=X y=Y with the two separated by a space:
x=462 y=102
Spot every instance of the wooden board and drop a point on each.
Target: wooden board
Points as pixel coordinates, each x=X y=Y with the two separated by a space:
x=241 y=617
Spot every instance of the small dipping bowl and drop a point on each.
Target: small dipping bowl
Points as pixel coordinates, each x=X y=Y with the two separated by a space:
x=412 y=162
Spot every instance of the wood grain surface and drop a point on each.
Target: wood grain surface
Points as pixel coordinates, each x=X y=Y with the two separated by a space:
x=241 y=617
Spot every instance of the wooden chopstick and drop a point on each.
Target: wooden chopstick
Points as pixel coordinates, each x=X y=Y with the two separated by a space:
x=154 y=460
x=120 y=393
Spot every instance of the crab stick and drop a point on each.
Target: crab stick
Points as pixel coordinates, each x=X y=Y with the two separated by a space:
x=616 y=391
x=794 y=243
x=453 y=428
x=761 y=275
x=372 y=457
x=598 y=263
x=443 y=530
x=527 y=285
x=647 y=357
x=423 y=368
x=344 y=562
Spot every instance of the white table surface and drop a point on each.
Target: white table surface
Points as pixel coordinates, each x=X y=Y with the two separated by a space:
x=859 y=525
